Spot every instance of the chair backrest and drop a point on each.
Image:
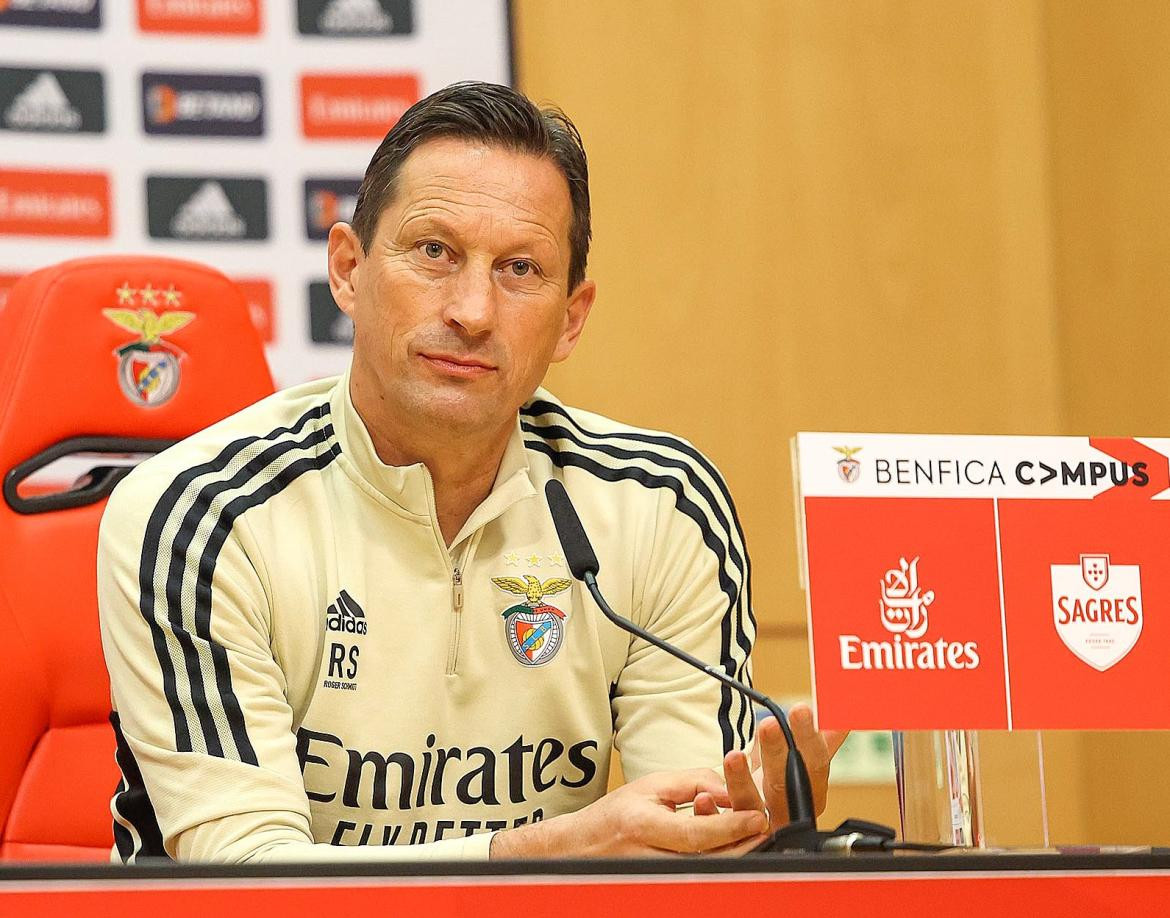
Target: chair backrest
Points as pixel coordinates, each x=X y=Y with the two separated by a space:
x=114 y=356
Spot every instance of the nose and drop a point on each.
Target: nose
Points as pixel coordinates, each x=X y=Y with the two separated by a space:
x=472 y=306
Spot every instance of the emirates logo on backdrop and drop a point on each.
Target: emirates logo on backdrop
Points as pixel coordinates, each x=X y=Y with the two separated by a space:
x=355 y=106
x=35 y=203
x=201 y=17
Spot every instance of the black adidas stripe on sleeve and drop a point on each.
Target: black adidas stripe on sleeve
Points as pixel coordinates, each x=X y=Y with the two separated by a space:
x=694 y=499
x=184 y=536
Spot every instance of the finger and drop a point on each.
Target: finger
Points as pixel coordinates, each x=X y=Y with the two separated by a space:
x=812 y=745
x=817 y=749
x=676 y=787
x=687 y=834
x=705 y=805
x=774 y=751
x=741 y=787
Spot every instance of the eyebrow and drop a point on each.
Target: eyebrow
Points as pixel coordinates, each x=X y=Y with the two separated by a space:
x=540 y=247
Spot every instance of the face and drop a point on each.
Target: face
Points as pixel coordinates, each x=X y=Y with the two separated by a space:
x=462 y=301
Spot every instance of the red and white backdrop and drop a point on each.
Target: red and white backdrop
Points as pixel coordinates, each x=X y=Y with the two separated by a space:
x=231 y=132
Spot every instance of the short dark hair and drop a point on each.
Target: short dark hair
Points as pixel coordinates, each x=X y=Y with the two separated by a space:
x=493 y=115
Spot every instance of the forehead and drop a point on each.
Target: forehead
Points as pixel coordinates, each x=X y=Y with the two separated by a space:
x=469 y=179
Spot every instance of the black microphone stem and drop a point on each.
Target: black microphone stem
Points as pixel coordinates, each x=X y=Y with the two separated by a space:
x=797 y=786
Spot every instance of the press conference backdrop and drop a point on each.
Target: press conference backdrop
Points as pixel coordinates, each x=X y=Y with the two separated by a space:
x=231 y=132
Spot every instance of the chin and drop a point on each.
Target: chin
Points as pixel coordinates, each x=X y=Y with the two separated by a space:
x=460 y=410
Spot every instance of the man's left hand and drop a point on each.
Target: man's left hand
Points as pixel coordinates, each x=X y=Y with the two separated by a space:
x=758 y=783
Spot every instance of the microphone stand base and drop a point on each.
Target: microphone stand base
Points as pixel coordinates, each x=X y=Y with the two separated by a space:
x=804 y=836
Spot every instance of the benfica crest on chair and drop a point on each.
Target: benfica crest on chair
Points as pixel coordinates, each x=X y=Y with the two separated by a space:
x=148 y=368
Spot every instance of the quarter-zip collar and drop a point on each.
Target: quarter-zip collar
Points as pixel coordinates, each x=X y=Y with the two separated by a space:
x=410 y=486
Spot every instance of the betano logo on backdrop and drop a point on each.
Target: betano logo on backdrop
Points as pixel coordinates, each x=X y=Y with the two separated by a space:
x=904 y=608
x=327 y=201
x=203 y=104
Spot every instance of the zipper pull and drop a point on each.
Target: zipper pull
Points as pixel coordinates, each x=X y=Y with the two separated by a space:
x=457 y=589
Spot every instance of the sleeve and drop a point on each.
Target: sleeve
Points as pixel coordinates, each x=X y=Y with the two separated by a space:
x=204 y=731
x=696 y=595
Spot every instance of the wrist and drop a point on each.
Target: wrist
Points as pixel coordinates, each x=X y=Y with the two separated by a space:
x=545 y=839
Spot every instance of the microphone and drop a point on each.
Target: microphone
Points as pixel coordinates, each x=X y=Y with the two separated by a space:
x=801 y=833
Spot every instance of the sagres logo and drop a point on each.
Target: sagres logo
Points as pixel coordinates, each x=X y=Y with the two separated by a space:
x=148 y=367
x=202 y=104
x=848 y=468
x=327 y=201
x=208 y=209
x=354 y=17
x=535 y=630
x=1097 y=609
x=904 y=608
x=63 y=14
x=60 y=101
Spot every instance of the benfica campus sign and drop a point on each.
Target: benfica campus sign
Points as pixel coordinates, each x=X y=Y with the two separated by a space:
x=964 y=582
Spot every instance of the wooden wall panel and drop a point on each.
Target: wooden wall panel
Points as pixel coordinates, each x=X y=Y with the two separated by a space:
x=1109 y=79
x=874 y=215
x=807 y=216
x=1109 y=92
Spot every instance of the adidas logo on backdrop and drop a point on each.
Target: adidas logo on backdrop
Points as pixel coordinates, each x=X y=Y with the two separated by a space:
x=210 y=209
x=57 y=101
x=354 y=18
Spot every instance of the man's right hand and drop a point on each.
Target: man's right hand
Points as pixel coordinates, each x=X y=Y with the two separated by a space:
x=642 y=819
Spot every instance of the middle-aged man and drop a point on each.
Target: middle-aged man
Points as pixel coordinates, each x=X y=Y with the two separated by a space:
x=341 y=617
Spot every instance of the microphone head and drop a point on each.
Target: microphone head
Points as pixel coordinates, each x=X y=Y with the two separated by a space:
x=579 y=553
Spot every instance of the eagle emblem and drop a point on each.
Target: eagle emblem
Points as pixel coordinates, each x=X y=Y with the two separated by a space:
x=848 y=468
x=535 y=630
x=148 y=367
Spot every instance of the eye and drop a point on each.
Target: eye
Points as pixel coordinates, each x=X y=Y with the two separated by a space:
x=522 y=268
x=433 y=249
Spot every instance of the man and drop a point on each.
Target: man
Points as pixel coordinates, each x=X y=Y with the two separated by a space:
x=341 y=617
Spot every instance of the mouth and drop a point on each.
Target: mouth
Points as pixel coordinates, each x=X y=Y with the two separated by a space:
x=458 y=367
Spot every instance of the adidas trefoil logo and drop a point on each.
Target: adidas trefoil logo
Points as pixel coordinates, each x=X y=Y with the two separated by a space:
x=42 y=106
x=354 y=16
x=345 y=615
x=208 y=212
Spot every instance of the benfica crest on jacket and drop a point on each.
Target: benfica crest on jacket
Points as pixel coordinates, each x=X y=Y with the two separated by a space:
x=535 y=630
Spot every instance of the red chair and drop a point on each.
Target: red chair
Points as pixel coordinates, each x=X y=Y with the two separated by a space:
x=103 y=357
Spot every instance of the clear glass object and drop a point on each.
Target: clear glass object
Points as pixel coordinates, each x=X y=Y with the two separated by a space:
x=979 y=789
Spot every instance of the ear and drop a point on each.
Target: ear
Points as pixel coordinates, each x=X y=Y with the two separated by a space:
x=345 y=259
x=575 y=315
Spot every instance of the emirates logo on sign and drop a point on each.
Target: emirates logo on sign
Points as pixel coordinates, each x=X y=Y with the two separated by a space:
x=904 y=613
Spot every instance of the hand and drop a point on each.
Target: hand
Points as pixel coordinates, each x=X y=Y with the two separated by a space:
x=761 y=783
x=642 y=819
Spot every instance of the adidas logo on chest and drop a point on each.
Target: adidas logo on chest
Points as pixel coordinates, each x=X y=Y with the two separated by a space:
x=345 y=616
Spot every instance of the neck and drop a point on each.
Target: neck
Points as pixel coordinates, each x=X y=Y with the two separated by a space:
x=462 y=464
